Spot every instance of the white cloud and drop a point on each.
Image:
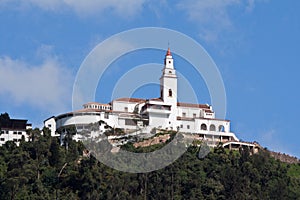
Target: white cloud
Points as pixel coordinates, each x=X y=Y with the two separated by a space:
x=250 y=6
x=123 y=8
x=207 y=11
x=46 y=86
x=211 y=15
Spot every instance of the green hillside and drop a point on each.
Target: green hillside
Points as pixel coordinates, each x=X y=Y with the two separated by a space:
x=42 y=169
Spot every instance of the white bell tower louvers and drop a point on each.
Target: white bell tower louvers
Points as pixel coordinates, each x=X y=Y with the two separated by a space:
x=168 y=81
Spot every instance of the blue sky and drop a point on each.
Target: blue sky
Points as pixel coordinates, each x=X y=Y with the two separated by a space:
x=254 y=43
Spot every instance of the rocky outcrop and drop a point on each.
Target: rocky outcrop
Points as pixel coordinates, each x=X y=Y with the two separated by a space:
x=284 y=157
x=152 y=141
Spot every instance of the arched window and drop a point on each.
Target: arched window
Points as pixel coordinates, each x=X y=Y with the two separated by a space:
x=221 y=128
x=212 y=127
x=170 y=93
x=203 y=127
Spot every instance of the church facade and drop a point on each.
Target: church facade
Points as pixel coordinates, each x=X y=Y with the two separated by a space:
x=135 y=115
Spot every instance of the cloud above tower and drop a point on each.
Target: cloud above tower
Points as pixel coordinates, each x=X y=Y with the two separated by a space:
x=80 y=7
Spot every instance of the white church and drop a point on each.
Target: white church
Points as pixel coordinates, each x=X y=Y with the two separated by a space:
x=143 y=115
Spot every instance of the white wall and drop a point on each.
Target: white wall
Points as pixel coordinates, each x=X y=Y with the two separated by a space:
x=215 y=122
x=120 y=106
x=12 y=135
x=195 y=125
x=208 y=115
x=82 y=118
x=51 y=124
x=188 y=111
x=159 y=120
x=183 y=126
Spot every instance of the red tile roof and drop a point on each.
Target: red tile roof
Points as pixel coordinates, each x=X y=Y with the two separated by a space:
x=156 y=99
x=87 y=110
x=133 y=100
x=208 y=111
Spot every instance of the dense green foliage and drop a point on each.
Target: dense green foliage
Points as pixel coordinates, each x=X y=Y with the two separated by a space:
x=42 y=169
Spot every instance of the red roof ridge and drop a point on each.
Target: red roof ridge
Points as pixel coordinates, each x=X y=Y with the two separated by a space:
x=127 y=99
x=156 y=99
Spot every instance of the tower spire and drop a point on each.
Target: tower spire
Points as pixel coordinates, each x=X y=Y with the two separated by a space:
x=168 y=52
x=168 y=82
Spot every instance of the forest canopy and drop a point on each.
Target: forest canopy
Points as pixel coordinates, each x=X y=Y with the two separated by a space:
x=43 y=169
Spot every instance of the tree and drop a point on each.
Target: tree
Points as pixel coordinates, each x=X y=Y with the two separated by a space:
x=57 y=155
x=4 y=118
x=42 y=169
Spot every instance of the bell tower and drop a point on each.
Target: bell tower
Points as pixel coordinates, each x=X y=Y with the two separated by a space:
x=168 y=81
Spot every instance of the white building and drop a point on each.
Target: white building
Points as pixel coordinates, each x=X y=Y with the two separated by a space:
x=144 y=115
x=13 y=130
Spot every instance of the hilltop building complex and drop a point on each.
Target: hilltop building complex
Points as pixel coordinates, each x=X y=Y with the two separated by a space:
x=135 y=115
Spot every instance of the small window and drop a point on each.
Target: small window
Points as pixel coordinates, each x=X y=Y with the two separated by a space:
x=7 y=132
x=79 y=127
x=212 y=127
x=170 y=61
x=170 y=93
x=19 y=133
x=169 y=122
x=15 y=140
x=203 y=127
x=170 y=72
x=188 y=126
x=2 y=139
x=181 y=126
x=106 y=115
x=15 y=133
x=2 y=132
x=126 y=109
x=184 y=114
x=221 y=128
x=194 y=115
x=49 y=125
